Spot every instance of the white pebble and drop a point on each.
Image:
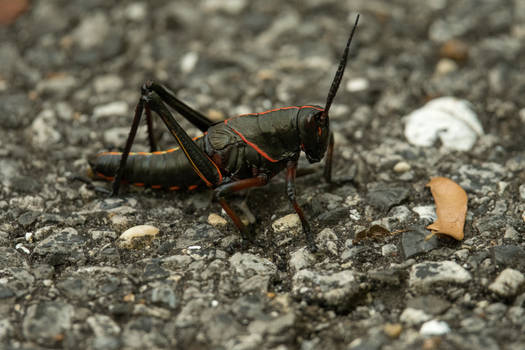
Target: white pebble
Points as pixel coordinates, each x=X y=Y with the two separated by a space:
x=445 y=66
x=412 y=316
x=426 y=212
x=188 y=62
x=136 y=11
x=449 y=118
x=401 y=167
x=21 y=247
x=29 y=237
x=131 y=237
x=389 y=250
x=108 y=82
x=433 y=328
x=118 y=108
x=357 y=84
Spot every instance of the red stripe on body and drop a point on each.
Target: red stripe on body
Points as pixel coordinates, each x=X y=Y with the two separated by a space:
x=253 y=145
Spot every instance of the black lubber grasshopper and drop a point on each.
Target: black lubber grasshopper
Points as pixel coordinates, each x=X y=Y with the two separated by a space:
x=236 y=154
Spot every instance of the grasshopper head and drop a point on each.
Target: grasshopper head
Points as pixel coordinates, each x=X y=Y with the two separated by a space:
x=313 y=121
x=314 y=133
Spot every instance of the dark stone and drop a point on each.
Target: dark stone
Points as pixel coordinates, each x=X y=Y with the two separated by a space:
x=508 y=256
x=5 y=292
x=372 y=343
x=62 y=247
x=198 y=235
x=108 y=285
x=75 y=288
x=51 y=219
x=413 y=242
x=15 y=111
x=18 y=280
x=10 y=257
x=427 y=270
x=386 y=277
x=46 y=322
x=332 y=217
x=108 y=48
x=490 y=223
x=476 y=259
x=165 y=296
x=431 y=304
x=385 y=198
x=121 y=309
x=28 y=218
x=153 y=271
x=25 y=184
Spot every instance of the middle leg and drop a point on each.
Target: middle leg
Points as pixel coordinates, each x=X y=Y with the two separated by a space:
x=291 y=168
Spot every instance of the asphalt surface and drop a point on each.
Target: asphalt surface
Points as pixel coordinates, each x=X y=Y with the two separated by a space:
x=70 y=76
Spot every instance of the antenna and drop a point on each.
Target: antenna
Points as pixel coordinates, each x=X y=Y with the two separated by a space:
x=339 y=74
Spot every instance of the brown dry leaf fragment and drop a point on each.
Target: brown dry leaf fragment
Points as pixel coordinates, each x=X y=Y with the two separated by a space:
x=374 y=232
x=451 y=207
x=454 y=49
x=11 y=9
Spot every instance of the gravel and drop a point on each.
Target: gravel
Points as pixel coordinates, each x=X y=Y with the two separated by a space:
x=70 y=77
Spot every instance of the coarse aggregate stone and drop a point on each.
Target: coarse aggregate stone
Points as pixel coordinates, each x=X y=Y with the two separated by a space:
x=70 y=76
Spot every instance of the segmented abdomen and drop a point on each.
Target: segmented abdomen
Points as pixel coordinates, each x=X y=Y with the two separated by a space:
x=164 y=169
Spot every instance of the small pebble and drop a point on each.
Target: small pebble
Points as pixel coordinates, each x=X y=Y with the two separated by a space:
x=21 y=247
x=357 y=84
x=118 y=108
x=413 y=317
x=445 y=66
x=217 y=220
x=433 y=328
x=135 y=236
x=389 y=250
x=108 y=82
x=290 y=222
x=401 y=167
x=119 y=221
x=215 y=114
x=511 y=233
x=507 y=283
x=136 y=11
x=450 y=119
x=188 y=62
x=393 y=330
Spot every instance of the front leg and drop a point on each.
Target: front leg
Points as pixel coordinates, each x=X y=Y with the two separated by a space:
x=328 y=159
x=221 y=191
x=291 y=168
x=327 y=174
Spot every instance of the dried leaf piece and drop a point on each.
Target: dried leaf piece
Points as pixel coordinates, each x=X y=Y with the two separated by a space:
x=11 y=9
x=375 y=232
x=451 y=207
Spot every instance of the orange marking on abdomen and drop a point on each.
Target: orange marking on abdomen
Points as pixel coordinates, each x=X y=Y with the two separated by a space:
x=174 y=188
x=156 y=186
x=105 y=177
x=140 y=184
x=192 y=187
